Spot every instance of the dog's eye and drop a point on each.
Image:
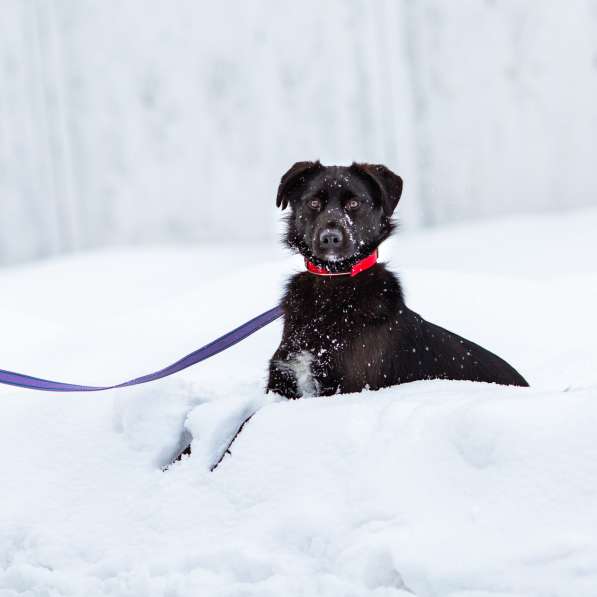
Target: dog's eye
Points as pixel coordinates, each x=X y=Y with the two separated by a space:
x=314 y=204
x=352 y=204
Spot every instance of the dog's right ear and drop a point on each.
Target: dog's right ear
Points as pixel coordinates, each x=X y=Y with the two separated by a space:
x=295 y=176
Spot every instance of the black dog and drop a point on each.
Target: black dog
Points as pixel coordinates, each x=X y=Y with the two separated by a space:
x=346 y=326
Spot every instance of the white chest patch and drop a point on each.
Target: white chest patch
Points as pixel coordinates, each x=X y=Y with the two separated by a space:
x=300 y=365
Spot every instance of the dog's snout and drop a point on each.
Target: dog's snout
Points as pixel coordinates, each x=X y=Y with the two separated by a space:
x=330 y=237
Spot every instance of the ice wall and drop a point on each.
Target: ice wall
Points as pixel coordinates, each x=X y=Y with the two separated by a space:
x=147 y=121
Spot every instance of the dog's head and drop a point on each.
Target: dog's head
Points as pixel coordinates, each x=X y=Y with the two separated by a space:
x=339 y=215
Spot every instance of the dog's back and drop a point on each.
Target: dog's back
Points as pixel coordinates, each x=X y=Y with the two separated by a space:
x=432 y=352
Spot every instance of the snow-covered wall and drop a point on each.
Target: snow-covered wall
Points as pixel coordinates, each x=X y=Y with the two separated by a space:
x=146 y=121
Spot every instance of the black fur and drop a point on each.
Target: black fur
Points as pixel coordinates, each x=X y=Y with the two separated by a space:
x=356 y=332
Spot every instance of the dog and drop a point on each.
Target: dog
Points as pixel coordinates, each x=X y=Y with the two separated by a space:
x=346 y=325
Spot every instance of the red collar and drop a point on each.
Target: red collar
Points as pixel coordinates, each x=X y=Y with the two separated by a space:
x=359 y=267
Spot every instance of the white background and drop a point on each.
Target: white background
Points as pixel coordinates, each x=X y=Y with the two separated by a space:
x=143 y=121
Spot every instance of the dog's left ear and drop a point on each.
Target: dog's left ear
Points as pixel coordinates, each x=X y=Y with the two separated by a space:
x=388 y=184
x=296 y=175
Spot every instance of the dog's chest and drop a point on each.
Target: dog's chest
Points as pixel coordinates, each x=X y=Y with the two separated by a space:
x=337 y=352
x=300 y=364
x=347 y=329
x=322 y=334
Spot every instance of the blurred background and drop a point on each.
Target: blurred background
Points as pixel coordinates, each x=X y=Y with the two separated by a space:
x=144 y=122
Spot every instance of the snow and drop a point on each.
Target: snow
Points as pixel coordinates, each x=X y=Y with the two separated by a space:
x=447 y=489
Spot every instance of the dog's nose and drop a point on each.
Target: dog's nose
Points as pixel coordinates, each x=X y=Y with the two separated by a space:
x=330 y=237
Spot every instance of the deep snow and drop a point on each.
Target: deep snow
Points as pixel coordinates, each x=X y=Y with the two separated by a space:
x=438 y=488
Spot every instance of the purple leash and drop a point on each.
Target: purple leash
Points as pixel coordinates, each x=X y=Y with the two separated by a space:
x=205 y=352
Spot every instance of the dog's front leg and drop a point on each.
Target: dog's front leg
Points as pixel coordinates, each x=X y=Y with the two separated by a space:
x=282 y=379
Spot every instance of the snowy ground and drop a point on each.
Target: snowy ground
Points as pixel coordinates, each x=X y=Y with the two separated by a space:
x=432 y=488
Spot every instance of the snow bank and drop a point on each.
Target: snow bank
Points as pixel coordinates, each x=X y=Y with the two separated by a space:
x=432 y=488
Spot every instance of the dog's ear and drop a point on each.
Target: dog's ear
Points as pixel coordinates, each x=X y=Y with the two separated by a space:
x=388 y=184
x=295 y=176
